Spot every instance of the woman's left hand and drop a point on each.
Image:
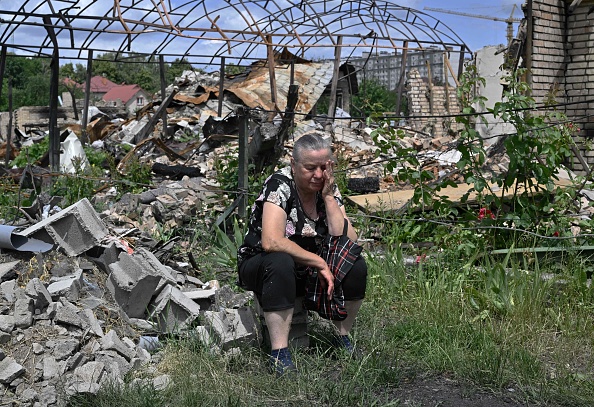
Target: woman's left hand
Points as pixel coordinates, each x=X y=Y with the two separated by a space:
x=329 y=181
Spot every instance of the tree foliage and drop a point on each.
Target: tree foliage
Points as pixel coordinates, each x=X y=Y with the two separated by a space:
x=373 y=98
x=31 y=76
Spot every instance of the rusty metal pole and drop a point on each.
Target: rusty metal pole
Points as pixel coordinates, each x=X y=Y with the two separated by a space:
x=163 y=87
x=85 y=115
x=272 y=74
x=10 y=114
x=2 y=66
x=54 y=133
x=221 y=86
x=242 y=171
x=334 y=83
x=403 y=62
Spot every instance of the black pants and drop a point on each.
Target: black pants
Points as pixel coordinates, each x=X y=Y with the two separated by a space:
x=276 y=281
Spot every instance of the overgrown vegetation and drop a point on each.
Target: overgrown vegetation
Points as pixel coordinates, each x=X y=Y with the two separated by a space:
x=31 y=76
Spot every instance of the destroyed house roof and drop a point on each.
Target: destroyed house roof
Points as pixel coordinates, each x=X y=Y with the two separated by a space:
x=122 y=92
x=100 y=84
x=312 y=79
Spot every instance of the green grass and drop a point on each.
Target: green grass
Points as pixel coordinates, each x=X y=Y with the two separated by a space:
x=499 y=326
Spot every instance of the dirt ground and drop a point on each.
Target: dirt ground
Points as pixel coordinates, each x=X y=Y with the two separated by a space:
x=440 y=391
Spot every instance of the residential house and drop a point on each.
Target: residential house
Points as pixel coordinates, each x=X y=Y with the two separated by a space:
x=133 y=97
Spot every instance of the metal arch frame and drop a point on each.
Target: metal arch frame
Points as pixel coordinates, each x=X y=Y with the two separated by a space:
x=302 y=25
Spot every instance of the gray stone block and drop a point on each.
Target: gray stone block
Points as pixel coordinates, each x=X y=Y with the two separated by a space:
x=172 y=311
x=38 y=293
x=7 y=290
x=52 y=368
x=67 y=287
x=111 y=341
x=93 y=322
x=23 y=313
x=68 y=314
x=10 y=370
x=134 y=279
x=204 y=298
x=75 y=229
x=62 y=349
x=6 y=323
x=233 y=327
x=8 y=270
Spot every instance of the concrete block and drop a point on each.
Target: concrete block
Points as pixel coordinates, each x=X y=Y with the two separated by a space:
x=68 y=314
x=75 y=229
x=10 y=370
x=86 y=378
x=134 y=279
x=233 y=327
x=38 y=293
x=105 y=255
x=8 y=270
x=6 y=323
x=7 y=290
x=205 y=298
x=172 y=310
x=23 y=313
x=111 y=341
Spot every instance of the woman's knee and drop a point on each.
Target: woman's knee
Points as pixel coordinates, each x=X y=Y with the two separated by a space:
x=355 y=282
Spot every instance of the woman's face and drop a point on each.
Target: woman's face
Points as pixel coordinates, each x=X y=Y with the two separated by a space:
x=309 y=170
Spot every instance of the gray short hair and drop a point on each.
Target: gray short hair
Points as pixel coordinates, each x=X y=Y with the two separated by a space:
x=310 y=142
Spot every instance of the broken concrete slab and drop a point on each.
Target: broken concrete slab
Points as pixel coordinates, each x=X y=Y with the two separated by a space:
x=111 y=341
x=10 y=370
x=132 y=285
x=7 y=323
x=233 y=327
x=8 y=270
x=69 y=314
x=7 y=290
x=36 y=290
x=172 y=310
x=204 y=298
x=62 y=349
x=67 y=287
x=23 y=313
x=75 y=229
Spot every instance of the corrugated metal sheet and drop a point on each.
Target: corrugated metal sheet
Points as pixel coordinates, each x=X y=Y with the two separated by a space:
x=312 y=79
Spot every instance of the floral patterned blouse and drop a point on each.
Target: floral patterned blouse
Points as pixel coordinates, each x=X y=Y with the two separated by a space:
x=280 y=190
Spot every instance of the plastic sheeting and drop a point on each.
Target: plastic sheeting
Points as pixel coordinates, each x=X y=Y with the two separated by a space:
x=10 y=239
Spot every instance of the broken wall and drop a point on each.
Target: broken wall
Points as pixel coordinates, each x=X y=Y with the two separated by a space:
x=429 y=100
x=562 y=64
x=4 y=120
x=488 y=61
x=38 y=116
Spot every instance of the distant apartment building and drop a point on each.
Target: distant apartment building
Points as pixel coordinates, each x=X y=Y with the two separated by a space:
x=385 y=66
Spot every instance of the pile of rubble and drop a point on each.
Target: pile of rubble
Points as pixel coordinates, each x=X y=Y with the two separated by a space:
x=93 y=309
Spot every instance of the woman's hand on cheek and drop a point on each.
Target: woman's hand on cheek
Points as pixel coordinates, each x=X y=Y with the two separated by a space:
x=329 y=181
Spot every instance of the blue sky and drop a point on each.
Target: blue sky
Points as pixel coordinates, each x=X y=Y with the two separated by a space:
x=476 y=32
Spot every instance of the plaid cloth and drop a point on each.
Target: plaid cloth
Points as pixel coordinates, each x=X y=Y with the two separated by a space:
x=340 y=253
